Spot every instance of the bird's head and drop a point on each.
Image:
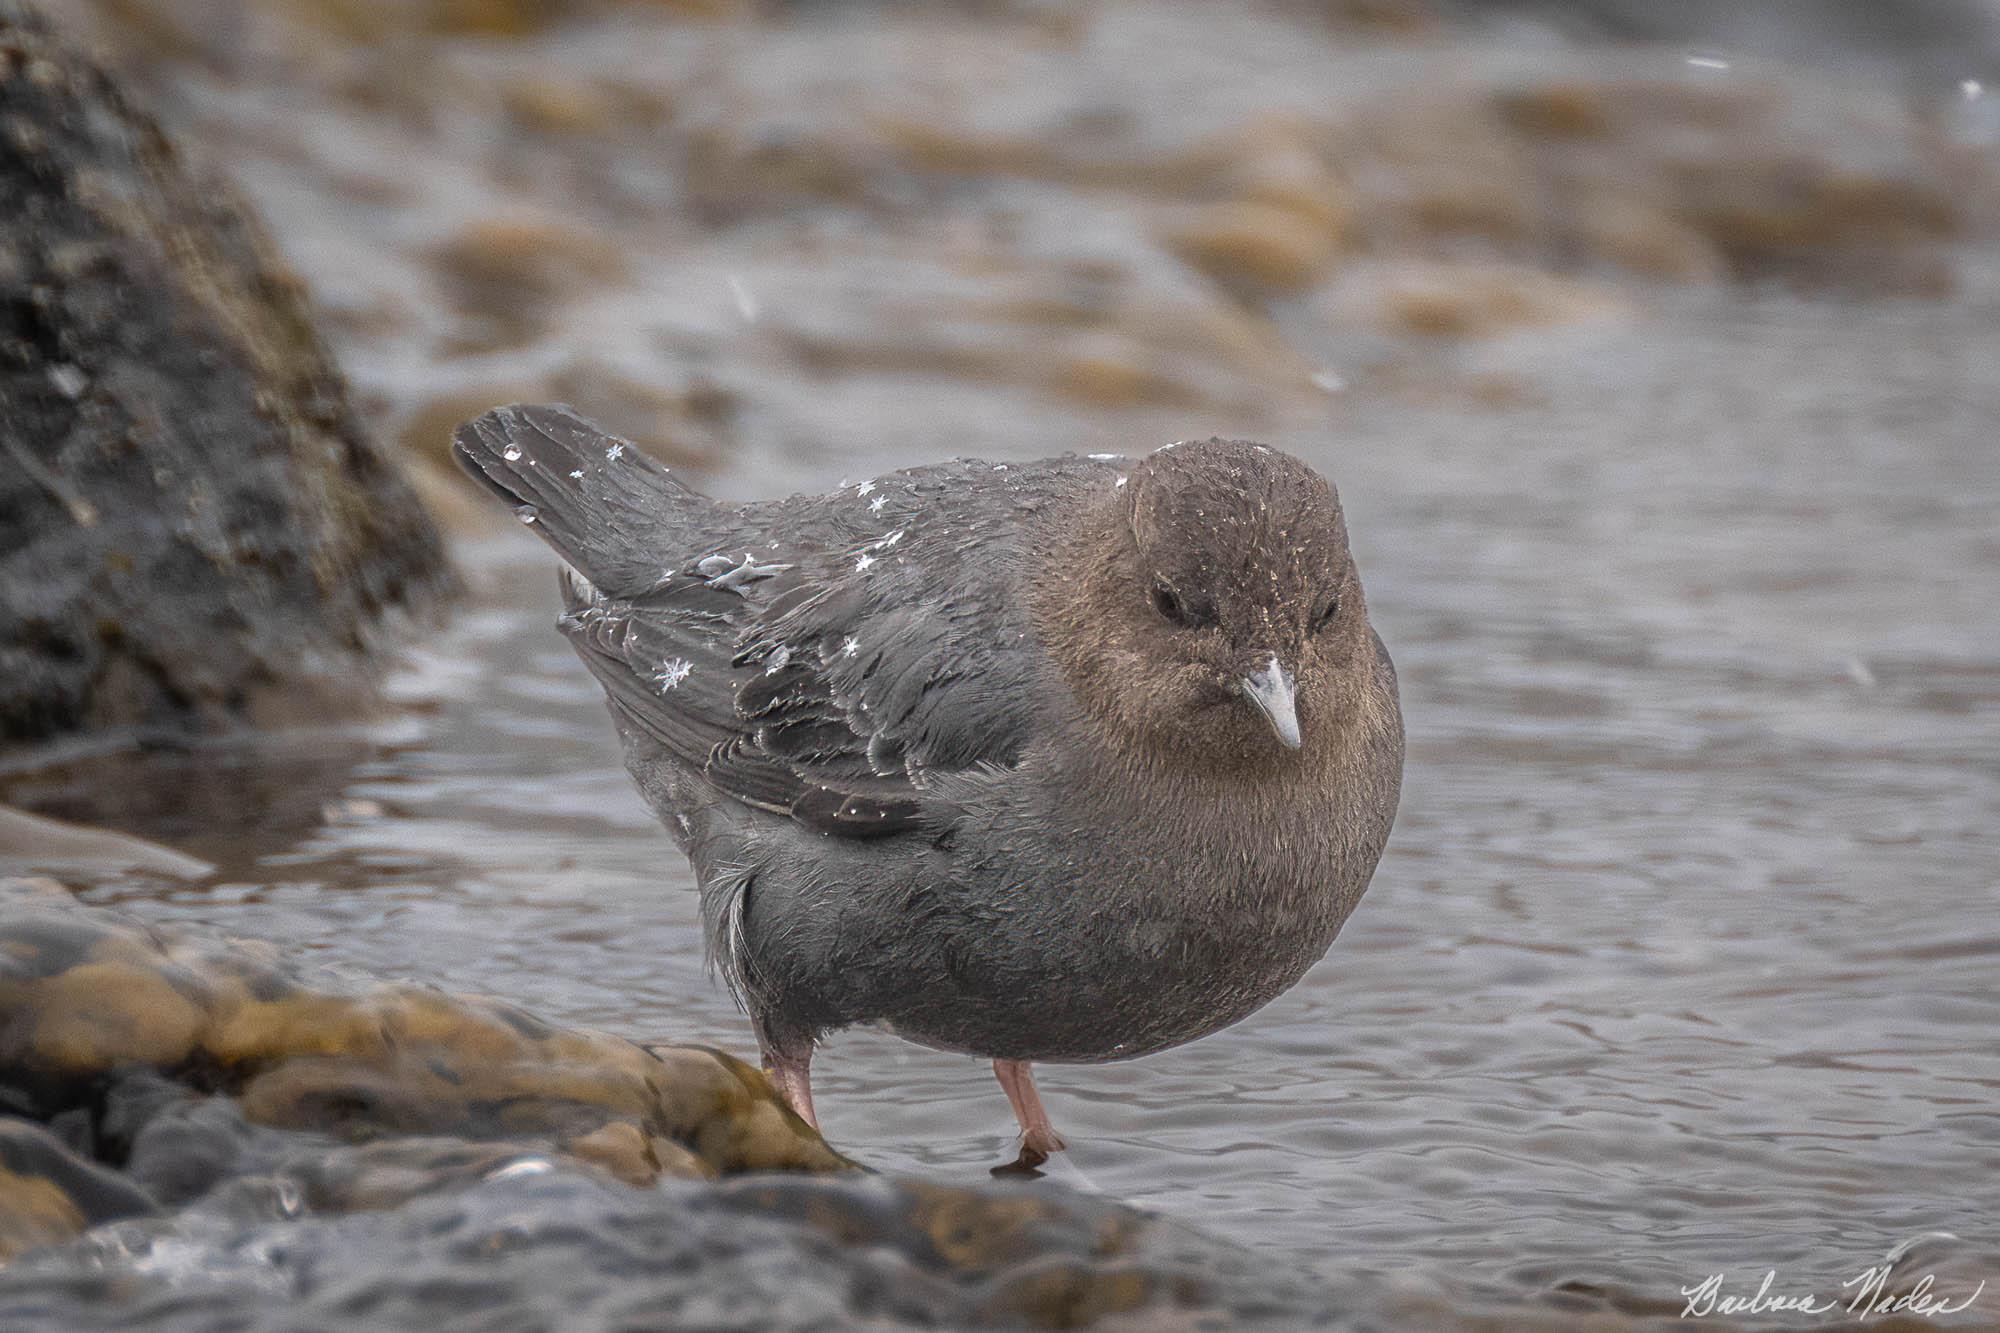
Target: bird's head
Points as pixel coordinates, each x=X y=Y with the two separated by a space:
x=1217 y=618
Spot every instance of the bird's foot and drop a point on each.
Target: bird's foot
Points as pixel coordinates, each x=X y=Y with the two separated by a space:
x=1027 y=1166
x=1039 y=1140
x=1042 y=1142
x=1037 y=1146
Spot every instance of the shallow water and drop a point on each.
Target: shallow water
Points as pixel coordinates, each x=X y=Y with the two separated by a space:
x=1681 y=959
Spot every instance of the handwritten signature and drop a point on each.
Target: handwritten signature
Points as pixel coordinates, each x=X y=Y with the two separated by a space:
x=1869 y=1295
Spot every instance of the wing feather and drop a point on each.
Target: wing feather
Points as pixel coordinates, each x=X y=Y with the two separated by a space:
x=858 y=644
x=799 y=693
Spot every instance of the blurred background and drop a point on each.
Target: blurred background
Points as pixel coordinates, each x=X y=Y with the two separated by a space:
x=1653 y=348
x=784 y=241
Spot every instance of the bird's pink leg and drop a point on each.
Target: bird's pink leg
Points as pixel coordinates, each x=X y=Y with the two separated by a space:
x=1038 y=1136
x=790 y=1069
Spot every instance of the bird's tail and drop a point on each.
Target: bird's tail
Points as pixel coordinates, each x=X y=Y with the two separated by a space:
x=599 y=501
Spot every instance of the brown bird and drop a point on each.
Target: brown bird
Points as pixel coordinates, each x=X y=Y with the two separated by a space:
x=1072 y=760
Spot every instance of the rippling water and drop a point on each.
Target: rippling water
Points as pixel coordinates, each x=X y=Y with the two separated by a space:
x=1682 y=958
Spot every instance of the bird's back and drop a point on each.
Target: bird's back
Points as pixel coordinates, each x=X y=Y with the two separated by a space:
x=818 y=657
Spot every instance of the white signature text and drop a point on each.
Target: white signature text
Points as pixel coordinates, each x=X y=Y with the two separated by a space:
x=1868 y=1294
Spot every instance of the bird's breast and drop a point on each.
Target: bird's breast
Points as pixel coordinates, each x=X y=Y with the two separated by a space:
x=1114 y=933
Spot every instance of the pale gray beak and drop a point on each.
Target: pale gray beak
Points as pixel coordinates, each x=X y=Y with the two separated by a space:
x=1271 y=690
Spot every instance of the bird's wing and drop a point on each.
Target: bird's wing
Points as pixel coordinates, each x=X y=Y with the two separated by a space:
x=822 y=657
x=827 y=684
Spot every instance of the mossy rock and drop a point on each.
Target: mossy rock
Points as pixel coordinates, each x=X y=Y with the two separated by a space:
x=86 y=996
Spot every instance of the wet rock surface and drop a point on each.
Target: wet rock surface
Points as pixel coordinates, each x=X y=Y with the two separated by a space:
x=198 y=532
x=35 y=844
x=48 y=1193
x=94 y=1010
x=548 y=1248
x=221 y=1138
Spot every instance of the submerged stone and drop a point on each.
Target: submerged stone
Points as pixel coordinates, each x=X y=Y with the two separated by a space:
x=48 y=1193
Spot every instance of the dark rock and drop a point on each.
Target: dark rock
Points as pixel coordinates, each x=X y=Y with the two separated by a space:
x=174 y=1143
x=528 y=1245
x=48 y=1193
x=195 y=531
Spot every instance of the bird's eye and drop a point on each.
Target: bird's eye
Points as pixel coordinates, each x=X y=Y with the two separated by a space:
x=1176 y=609
x=1327 y=611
